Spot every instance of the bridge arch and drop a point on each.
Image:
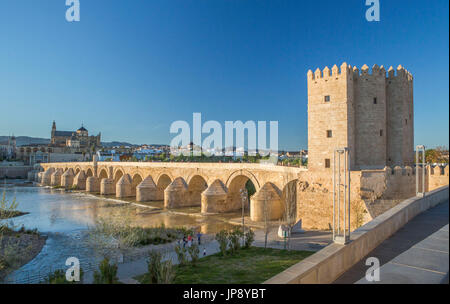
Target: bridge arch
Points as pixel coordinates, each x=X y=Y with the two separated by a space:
x=238 y=181
x=248 y=174
x=76 y=169
x=103 y=174
x=137 y=172
x=196 y=185
x=89 y=172
x=162 y=181
x=136 y=179
x=118 y=173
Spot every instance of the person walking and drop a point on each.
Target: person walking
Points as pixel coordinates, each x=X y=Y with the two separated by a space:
x=199 y=236
x=189 y=240
x=184 y=241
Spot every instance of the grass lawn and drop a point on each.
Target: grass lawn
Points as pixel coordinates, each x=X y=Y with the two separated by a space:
x=248 y=266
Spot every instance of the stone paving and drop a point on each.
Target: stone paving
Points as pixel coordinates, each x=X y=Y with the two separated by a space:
x=417 y=254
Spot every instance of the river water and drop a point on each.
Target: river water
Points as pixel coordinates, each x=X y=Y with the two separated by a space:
x=65 y=218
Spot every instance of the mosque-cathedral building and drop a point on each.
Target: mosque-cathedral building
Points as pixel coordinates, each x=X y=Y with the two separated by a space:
x=78 y=139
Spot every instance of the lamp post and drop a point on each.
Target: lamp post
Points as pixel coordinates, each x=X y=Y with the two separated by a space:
x=420 y=150
x=343 y=238
x=244 y=196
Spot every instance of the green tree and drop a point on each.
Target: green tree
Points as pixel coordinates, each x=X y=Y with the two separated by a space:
x=250 y=189
x=438 y=155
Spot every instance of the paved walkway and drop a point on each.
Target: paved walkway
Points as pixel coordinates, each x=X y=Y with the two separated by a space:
x=416 y=254
x=309 y=241
x=127 y=271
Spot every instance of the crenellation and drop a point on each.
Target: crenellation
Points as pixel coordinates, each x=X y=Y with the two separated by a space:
x=375 y=70
x=326 y=72
x=364 y=70
x=409 y=170
x=439 y=170
x=335 y=71
x=383 y=71
x=391 y=72
x=318 y=74
x=398 y=171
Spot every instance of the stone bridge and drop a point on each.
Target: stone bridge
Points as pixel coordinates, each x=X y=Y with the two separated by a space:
x=213 y=186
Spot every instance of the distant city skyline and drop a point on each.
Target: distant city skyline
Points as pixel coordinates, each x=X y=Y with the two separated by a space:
x=129 y=69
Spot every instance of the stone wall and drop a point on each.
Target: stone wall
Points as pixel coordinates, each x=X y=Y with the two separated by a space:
x=437 y=177
x=315 y=201
x=328 y=264
x=15 y=171
x=373 y=192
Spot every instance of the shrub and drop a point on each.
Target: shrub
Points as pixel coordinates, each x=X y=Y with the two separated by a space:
x=166 y=273
x=153 y=265
x=107 y=273
x=222 y=238
x=181 y=254
x=249 y=238
x=194 y=252
x=129 y=236
x=7 y=208
x=59 y=277
x=159 y=272
x=234 y=238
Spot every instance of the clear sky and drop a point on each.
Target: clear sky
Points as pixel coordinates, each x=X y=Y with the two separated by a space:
x=131 y=68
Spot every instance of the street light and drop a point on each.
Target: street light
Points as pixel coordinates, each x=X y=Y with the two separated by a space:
x=244 y=196
x=343 y=238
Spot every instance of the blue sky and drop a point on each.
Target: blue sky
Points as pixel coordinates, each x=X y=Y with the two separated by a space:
x=131 y=68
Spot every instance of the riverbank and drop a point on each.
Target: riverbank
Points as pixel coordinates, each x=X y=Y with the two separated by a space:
x=11 y=214
x=17 y=248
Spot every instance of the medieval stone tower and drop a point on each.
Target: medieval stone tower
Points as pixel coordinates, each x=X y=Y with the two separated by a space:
x=371 y=113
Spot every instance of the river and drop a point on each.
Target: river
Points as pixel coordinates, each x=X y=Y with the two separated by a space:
x=65 y=218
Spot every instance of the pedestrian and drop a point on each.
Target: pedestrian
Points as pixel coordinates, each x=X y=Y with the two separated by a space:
x=189 y=240
x=184 y=241
x=204 y=251
x=199 y=236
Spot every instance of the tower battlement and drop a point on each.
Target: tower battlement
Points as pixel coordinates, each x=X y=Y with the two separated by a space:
x=346 y=69
x=369 y=110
